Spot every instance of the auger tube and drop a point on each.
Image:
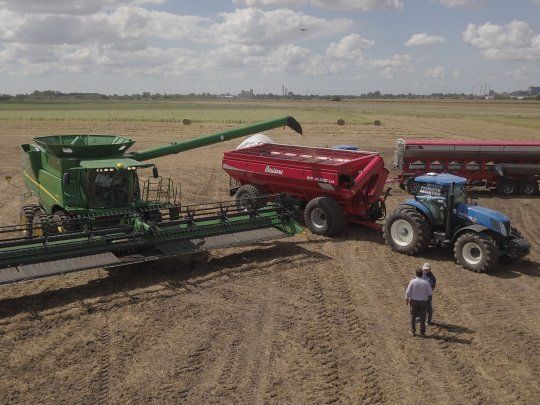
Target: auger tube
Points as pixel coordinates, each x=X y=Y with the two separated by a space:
x=205 y=140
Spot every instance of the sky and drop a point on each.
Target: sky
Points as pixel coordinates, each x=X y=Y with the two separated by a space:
x=309 y=46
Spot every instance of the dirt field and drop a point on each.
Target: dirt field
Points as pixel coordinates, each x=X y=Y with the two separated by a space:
x=300 y=320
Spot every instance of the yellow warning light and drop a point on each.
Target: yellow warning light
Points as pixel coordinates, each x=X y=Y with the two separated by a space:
x=120 y=166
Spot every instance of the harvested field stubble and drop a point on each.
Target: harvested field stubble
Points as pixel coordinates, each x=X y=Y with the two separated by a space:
x=301 y=320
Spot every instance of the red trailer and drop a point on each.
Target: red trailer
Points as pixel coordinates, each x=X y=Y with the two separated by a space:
x=509 y=166
x=330 y=185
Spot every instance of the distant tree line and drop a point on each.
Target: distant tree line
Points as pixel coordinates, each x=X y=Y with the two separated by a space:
x=57 y=95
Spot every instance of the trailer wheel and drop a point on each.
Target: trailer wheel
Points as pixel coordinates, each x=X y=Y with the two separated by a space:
x=507 y=187
x=528 y=187
x=324 y=216
x=407 y=231
x=476 y=251
x=248 y=197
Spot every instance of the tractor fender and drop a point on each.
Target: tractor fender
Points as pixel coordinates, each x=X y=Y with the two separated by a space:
x=420 y=207
x=476 y=228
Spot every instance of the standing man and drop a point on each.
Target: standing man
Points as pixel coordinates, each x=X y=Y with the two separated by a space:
x=417 y=294
x=430 y=278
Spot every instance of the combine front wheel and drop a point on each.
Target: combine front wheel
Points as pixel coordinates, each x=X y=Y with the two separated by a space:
x=407 y=231
x=476 y=251
x=27 y=219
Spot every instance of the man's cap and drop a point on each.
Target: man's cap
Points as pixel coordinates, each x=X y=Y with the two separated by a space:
x=426 y=266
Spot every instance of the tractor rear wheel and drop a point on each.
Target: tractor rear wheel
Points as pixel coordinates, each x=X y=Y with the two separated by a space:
x=528 y=187
x=249 y=197
x=507 y=187
x=407 y=231
x=476 y=251
x=324 y=216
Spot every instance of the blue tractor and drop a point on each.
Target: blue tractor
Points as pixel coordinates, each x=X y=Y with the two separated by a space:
x=440 y=216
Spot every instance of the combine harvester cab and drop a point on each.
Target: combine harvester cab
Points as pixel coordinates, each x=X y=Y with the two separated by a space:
x=510 y=167
x=331 y=185
x=94 y=212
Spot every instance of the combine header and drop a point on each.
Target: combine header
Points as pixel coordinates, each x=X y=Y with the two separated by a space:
x=93 y=213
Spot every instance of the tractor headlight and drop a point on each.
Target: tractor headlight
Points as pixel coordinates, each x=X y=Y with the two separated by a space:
x=496 y=225
x=503 y=230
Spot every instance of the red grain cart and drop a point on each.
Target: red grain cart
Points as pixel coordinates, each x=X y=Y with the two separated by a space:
x=511 y=167
x=331 y=186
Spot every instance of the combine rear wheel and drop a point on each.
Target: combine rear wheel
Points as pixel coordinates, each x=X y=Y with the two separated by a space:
x=324 y=216
x=476 y=251
x=407 y=231
x=248 y=197
x=528 y=187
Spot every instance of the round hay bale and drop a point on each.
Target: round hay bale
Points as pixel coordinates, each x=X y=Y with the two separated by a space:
x=340 y=122
x=377 y=123
x=185 y=121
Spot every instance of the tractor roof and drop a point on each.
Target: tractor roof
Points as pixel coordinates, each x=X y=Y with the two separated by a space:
x=441 y=179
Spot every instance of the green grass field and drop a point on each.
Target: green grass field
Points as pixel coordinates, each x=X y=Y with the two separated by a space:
x=360 y=112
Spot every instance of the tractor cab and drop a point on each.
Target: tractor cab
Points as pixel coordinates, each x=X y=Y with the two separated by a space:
x=433 y=191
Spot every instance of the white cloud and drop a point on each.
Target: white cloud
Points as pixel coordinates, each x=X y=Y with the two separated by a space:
x=399 y=63
x=436 y=72
x=82 y=7
x=459 y=3
x=424 y=39
x=349 y=47
x=514 y=41
x=362 y=5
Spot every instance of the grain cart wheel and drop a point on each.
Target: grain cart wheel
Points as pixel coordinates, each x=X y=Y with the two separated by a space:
x=507 y=187
x=528 y=187
x=324 y=216
x=63 y=222
x=248 y=197
x=27 y=219
x=407 y=231
x=476 y=251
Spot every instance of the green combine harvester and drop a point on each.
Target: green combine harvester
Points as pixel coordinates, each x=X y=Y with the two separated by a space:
x=94 y=212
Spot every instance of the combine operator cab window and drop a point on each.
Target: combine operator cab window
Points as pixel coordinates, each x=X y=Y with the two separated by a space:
x=110 y=189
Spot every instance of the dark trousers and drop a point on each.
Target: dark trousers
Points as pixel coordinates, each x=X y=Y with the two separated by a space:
x=429 y=309
x=418 y=309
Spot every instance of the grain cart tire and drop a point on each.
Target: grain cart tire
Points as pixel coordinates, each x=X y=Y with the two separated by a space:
x=27 y=219
x=407 y=231
x=63 y=222
x=476 y=251
x=324 y=216
x=528 y=187
x=249 y=197
x=507 y=187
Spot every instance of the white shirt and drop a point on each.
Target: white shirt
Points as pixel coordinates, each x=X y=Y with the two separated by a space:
x=418 y=289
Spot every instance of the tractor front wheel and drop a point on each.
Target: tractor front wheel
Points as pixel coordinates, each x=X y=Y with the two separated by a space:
x=407 y=231
x=324 y=216
x=476 y=251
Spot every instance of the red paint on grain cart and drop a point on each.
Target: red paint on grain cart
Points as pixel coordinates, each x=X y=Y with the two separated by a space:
x=509 y=166
x=353 y=179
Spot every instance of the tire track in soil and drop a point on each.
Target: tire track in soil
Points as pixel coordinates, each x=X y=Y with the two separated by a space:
x=103 y=377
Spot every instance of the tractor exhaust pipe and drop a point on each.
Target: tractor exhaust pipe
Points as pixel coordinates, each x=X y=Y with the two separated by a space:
x=450 y=212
